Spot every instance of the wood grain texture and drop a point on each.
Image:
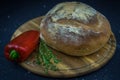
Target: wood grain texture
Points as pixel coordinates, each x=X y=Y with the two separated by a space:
x=69 y=66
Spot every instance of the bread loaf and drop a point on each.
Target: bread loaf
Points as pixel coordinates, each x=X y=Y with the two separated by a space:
x=75 y=28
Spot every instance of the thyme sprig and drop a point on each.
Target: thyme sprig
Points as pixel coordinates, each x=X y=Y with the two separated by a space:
x=46 y=56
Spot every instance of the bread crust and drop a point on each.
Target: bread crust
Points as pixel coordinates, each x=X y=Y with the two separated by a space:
x=75 y=29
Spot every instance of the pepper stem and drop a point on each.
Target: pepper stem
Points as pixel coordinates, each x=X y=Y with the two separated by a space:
x=14 y=55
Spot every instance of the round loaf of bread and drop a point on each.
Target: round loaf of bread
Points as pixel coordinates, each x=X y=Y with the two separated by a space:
x=75 y=28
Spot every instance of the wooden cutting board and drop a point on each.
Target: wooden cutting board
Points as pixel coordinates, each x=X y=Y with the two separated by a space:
x=69 y=66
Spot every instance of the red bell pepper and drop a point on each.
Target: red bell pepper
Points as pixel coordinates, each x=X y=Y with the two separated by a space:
x=22 y=46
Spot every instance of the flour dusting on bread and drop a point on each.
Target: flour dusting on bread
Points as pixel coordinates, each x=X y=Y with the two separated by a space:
x=72 y=10
x=56 y=31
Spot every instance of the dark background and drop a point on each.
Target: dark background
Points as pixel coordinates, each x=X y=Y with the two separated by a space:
x=15 y=13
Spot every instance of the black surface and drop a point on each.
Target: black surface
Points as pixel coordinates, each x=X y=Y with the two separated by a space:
x=15 y=13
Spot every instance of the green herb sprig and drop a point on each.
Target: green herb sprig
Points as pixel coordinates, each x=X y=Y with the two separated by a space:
x=46 y=56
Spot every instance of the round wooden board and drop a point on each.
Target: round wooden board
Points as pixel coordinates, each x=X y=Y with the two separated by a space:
x=69 y=66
